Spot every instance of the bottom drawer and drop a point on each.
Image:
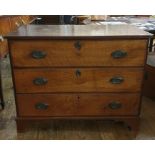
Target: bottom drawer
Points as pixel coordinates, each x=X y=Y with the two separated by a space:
x=83 y=104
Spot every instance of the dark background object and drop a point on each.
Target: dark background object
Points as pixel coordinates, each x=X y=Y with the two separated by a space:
x=55 y=19
x=47 y=20
x=149 y=82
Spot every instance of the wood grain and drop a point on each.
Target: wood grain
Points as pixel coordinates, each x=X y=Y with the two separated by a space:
x=70 y=129
x=66 y=80
x=92 y=53
x=74 y=70
x=75 y=129
x=77 y=104
x=4 y=25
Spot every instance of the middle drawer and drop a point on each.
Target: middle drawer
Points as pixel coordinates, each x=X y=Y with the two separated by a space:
x=78 y=80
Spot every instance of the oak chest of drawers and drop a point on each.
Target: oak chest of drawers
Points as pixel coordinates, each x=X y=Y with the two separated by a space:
x=78 y=72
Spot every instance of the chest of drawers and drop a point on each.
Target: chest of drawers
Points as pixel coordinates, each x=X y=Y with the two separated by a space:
x=78 y=72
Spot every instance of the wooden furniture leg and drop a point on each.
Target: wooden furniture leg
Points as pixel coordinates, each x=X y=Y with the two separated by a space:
x=22 y=125
x=132 y=123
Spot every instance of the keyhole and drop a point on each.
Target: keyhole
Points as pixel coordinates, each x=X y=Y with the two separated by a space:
x=78 y=97
x=77 y=101
x=78 y=73
x=77 y=45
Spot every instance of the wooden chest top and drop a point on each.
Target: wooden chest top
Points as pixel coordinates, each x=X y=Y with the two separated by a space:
x=76 y=31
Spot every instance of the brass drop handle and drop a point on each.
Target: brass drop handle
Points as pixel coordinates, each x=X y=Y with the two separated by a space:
x=118 y=54
x=41 y=106
x=78 y=45
x=115 y=105
x=40 y=81
x=116 y=80
x=78 y=73
x=38 y=54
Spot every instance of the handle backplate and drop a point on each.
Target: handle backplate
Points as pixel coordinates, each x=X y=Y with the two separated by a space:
x=115 y=105
x=116 y=80
x=41 y=106
x=118 y=54
x=40 y=81
x=38 y=54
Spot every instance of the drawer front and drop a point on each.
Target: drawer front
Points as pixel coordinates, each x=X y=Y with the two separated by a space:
x=77 y=104
x=78 y=53
x=78 y=80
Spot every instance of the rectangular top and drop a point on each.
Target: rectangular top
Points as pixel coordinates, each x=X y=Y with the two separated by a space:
x=77 y=31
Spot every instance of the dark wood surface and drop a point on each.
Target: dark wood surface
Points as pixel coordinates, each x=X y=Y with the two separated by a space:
x=66 y=80
x=78 y=31
x=132 y=123
x=64 y=53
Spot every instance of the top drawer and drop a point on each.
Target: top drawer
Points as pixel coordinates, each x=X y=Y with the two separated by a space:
x=57 y=53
